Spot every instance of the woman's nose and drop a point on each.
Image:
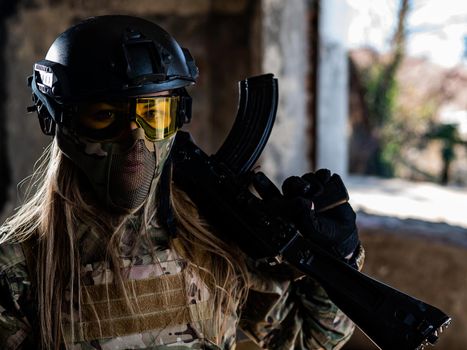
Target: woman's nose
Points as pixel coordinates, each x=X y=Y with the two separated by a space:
x=133 y=125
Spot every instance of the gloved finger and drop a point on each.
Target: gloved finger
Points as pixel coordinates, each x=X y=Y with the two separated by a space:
x=341 y=238
x=323 y=175
x=316 y=186
x=295 y=186
x=318 y=231
x=296 y=209
x=343 y=213
x=300 y=208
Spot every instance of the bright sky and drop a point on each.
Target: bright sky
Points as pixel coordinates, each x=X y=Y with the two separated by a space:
x=437 y=28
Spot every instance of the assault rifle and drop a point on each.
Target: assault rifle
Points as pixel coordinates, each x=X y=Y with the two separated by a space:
x=220 y=185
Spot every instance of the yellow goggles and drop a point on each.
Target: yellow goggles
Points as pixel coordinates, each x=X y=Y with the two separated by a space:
x=110 y=120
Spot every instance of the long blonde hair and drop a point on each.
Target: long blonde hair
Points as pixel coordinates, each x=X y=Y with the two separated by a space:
x=50 y=215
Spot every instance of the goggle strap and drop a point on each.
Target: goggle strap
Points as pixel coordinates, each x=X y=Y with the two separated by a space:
x=184 y=114
x=132 y=105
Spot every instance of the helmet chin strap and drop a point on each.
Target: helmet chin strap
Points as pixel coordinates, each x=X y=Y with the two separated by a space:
x=165 y=215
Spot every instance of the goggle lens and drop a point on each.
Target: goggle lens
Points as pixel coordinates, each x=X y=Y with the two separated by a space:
x=157 y=116
x=108 y=120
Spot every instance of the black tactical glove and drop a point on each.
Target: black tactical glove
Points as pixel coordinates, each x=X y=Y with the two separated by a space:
x=317 y=204
x=321 y=212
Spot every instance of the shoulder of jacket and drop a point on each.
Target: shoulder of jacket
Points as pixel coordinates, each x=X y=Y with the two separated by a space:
x=11 y=254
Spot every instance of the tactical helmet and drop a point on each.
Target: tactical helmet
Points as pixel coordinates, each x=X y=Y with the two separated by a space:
x=109 y=56
x=120 y=67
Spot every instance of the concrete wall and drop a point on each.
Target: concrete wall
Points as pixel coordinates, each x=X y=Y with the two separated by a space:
x=332 y=89
x=285 y=53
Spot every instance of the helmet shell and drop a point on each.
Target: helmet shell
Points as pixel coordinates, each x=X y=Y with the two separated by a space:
x=112 y=56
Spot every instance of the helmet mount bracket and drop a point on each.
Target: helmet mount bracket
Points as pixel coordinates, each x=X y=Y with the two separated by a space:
x=143 y=59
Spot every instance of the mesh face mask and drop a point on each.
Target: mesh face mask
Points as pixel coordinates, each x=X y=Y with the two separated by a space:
x=122 y=174
x=130 y=176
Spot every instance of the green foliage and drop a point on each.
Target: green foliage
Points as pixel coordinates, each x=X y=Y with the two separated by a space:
x=380 y=94
x=380 y=88
x=449 y=136
x=400 y=126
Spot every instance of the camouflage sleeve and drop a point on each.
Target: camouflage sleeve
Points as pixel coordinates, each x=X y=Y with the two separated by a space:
x=281 y=313
x=15 y=330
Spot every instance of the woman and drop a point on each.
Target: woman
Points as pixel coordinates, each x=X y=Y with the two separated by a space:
x=92 y=261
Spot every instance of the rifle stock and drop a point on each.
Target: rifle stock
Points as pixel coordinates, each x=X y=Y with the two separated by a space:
x=220 y=189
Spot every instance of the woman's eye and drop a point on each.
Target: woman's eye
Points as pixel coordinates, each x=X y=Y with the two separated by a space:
x=157 y=119
x=98 y=120
x=151 y=114
x=104 y=115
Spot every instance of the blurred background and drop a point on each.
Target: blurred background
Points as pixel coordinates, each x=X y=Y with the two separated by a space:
x=373 y=90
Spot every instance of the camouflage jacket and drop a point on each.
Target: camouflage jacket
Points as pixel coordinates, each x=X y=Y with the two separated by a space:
x=279 y=313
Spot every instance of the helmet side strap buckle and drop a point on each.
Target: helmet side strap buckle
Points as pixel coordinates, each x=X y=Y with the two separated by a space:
x=184 y=112
x=47 y=124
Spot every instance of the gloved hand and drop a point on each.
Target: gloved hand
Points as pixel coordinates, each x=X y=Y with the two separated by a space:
x=334 y=229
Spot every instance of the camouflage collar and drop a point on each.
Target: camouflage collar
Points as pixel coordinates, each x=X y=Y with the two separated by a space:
x=136 y=240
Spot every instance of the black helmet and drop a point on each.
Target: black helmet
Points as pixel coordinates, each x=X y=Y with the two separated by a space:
x=108 y=56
